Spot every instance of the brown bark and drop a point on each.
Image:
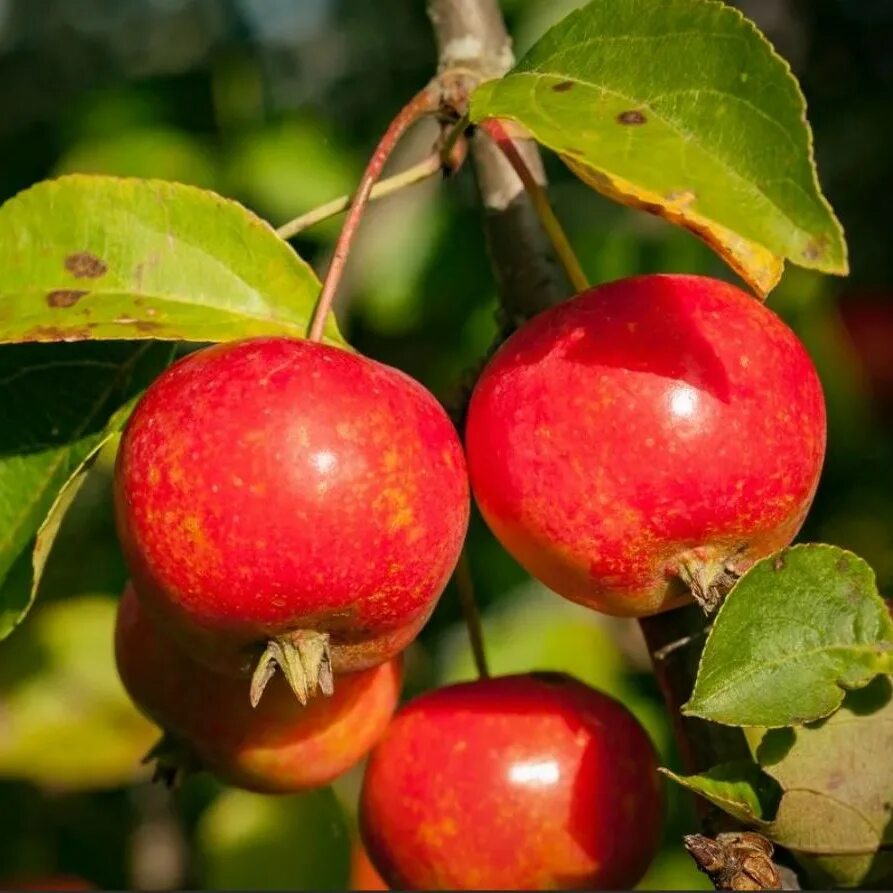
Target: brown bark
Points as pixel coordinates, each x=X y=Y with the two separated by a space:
x=472 y=41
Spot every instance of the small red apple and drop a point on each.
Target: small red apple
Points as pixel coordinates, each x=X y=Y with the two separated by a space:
x=278 y=746
x=532 y=782
x=283 y=492
x=650 y=430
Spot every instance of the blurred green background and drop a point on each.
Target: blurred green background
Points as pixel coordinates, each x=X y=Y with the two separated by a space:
x=276 y=103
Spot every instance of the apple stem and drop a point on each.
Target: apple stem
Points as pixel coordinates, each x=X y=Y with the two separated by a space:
x=560 y=242
x=304 y=660
x=465 y=588
x=424 y=169
x=425 y=102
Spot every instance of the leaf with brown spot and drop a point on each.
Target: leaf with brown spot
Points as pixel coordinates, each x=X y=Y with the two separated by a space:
x=695 y=85
x=65 y=297
x=83 y=265
x=632 y=116
x=163 y=261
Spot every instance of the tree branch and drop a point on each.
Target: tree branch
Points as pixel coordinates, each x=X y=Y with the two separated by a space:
x=675 y=641
x=472 y=41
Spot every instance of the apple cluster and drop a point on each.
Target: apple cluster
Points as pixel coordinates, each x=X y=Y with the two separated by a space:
x=290 y=513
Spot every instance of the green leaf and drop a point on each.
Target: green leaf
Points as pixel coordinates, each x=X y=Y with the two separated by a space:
x=60 y=404
x=823 y=791
x=91 y=257
x=249 y=841
x=796 y=631
x=741 y=789
x=837 y=779
x=684 y=109
x=67 y=721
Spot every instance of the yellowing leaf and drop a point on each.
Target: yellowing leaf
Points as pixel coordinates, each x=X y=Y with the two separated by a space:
x=756 y=265
x=681 y=108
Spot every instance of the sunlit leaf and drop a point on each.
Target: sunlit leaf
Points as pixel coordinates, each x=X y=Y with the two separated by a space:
x=681 y=108
x=103 y=258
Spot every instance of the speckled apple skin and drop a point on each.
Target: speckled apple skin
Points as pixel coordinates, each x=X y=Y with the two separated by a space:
x=529 y=782
x=274 y=485
x=278 y=747
x=643 y=423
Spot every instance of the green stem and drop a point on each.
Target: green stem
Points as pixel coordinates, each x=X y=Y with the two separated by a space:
x=425 y=169
x=560 y=242
x=465 y=588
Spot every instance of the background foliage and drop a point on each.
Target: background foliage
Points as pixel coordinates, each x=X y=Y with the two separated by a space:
x=275 y=103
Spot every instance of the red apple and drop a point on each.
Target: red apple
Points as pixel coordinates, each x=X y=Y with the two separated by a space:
x=652 y=430
x=532 y=782
x=286 y=491
x=278 y=746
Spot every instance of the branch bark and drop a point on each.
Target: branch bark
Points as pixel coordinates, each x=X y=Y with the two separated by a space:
x=675 y=641
x=472 y=41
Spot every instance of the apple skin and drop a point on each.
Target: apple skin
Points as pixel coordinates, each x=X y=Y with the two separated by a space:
x=278 y=747
x=533 y=782
x=653 y=428
x=275 y=485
